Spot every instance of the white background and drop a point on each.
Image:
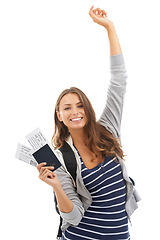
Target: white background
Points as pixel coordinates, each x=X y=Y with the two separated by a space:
x=47 y=46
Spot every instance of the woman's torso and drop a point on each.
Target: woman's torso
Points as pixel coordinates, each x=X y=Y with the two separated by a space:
x=106 y=218
x=90 y=159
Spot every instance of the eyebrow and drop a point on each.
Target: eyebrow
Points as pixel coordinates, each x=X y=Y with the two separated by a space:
x=70 y=104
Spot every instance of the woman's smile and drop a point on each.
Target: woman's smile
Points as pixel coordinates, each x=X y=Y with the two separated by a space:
x=76 y=120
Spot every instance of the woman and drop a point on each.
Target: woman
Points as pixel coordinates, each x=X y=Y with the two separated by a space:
x=100 y=202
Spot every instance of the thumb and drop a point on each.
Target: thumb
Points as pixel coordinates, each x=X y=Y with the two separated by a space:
x=91 y=10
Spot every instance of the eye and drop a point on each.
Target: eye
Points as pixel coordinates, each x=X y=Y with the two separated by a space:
x=80 y=106
x=67 y=108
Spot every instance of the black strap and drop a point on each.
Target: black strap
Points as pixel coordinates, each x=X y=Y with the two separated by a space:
x=71 y=165
x=69 y=159
x=59 y=235
x=133 y=182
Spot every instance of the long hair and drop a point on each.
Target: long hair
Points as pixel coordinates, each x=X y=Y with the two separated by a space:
x=99 y=138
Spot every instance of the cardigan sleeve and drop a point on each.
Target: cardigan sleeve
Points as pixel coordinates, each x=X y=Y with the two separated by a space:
x=77 y=212
x=112 y=113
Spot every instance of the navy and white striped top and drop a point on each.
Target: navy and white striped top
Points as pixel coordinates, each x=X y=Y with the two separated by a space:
x=106 y=218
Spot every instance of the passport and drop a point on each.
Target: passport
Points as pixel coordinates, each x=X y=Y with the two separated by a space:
x=45 y=154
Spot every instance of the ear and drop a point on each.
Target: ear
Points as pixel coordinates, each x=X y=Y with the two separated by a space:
x=59 y=116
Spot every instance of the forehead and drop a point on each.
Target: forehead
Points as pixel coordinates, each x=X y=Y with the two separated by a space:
x=70 y=98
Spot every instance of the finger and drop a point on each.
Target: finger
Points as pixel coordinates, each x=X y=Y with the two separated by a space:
x=97 y=11
x=104 y=13
x=91 y=7
x=45 y=175
x=45 y=172
x=91 y=10
x=100 y=12
x=41 y=165
x=53 y=174
x=46 y=168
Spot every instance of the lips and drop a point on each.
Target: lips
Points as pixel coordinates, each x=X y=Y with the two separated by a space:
x=76 y=119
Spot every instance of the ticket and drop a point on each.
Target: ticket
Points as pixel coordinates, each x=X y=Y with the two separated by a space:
x=24 y=154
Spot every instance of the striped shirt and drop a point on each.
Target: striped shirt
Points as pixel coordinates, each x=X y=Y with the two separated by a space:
x=106 y=218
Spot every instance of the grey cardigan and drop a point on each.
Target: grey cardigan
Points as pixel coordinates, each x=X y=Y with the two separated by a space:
x=111 y=119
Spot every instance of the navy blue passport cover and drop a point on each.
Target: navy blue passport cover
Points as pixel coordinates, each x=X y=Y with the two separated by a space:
x=45 y=154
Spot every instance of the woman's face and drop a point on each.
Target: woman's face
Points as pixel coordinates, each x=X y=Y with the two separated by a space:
x=71 y=112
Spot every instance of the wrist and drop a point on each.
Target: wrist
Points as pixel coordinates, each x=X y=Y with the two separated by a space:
x=110 y=27
x=57 y=188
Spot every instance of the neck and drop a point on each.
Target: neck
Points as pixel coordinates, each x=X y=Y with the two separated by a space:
x=78 y=136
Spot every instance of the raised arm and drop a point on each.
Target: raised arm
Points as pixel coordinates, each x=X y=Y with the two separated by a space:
x=112 y=113
x=100 y=17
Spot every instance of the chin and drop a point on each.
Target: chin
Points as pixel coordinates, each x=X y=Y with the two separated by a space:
x=78 y=127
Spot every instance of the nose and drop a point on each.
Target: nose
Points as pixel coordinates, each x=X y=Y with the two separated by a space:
x=74 y=111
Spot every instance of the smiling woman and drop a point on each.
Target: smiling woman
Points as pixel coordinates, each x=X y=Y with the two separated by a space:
x=100 y=201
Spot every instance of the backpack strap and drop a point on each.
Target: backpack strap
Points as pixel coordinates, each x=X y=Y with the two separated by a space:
x=71 y=165
x=69 y=159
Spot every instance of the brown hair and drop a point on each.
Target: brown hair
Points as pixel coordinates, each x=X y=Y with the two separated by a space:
x=99 y=138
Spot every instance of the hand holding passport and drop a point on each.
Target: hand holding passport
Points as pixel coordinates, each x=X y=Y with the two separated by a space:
x=43 y=154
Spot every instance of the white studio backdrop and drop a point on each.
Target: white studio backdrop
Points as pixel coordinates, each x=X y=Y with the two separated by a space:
x=47 y=46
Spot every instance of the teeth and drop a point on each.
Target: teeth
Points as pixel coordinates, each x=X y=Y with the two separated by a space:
x=76 y=119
